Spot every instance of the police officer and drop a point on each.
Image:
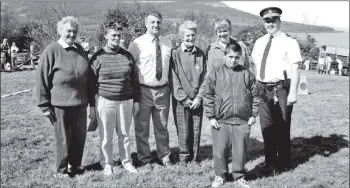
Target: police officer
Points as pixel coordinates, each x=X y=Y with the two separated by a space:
x=277 y=59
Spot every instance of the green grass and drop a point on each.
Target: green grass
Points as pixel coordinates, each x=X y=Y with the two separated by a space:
x=320 y=152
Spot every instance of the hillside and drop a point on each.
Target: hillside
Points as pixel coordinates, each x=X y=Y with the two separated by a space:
x=91 y=13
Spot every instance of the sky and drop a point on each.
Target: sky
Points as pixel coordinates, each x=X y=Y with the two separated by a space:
x=333 y=14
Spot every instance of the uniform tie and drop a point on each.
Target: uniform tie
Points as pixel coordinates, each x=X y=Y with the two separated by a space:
x=263 y=61
x=158 y=59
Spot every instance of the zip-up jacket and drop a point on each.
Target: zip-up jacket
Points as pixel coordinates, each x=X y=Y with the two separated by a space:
x=231 y=95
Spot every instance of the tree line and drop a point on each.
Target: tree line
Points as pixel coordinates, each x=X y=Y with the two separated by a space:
x=41 y=30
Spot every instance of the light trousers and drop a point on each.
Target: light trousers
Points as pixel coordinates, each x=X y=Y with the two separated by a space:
x=114 y=115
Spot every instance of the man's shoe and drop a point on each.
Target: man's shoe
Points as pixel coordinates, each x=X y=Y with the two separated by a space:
x=266 y=169
x=60 y=175
x=108 y=170
x=130 y=168
x=241 y=183
x=167 y=164
x=218 y=182
x=76 y=170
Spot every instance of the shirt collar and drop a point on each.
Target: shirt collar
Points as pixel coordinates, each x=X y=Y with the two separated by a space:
x=277 y=34
x=217 y=44
x=65 y=45
x=183 y=47
x=150 y=37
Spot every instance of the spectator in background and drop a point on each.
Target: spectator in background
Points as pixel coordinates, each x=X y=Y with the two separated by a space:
x=340 y=66
x=215 y=51
x=152 y=54
x=328 y=63
x=63 y=90
x=188 y=69
x=5 y=52
x=122 y=43
x=118 y=97
x=307 y=65
x=14 y=51
x=85 y=45
x=321 y=64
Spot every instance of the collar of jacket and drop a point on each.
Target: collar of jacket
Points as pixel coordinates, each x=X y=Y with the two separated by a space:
x=236 y=68
x=217 y=45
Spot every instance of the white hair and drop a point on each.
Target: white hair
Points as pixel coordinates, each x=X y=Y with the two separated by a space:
x=68 y=19
x=188 y=24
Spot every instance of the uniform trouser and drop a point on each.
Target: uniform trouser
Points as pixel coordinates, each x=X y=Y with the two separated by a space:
x=114 y=115
x=189 y=124
x=155 y=102
x=238 y=137
x=70 y=134
x=275 y=121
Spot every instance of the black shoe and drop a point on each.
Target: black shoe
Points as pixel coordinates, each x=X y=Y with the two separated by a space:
x=267 y=169
x=76 y=170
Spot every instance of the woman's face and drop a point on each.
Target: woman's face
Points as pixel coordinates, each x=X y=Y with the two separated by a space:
x=68 y=33
x=189 y=37
x=223 y=35
x=113 y=37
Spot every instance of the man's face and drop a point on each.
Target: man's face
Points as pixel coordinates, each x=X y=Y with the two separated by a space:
x=223 y=35
x=153 y=25
x=4 y=41
x=68 y=33
x=232 y=59
x=272 y=25
x=189 y=37
x=113 y=37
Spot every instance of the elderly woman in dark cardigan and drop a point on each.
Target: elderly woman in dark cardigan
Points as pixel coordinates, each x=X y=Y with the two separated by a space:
x=63 y=93
x=188 y=69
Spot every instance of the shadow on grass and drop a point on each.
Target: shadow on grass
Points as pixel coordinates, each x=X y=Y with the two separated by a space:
x=302 y=150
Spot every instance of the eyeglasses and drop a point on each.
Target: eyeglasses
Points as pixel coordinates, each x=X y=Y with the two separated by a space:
x=270 y=20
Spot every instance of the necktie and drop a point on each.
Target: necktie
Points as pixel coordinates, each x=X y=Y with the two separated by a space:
x=158 y=60
x=263 y=61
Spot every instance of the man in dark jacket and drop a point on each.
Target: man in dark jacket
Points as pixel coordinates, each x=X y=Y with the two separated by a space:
x=231 y=104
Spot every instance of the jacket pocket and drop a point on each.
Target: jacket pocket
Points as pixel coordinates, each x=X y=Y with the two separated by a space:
x=217 y=105
x=248 y=101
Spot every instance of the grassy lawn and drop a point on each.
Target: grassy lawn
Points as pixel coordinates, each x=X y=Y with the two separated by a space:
x=320 y=147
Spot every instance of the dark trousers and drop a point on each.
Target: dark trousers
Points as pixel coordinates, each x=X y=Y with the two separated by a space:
x=188 y=124
x=275 y=121
x=70 y=134
x=228 y=135
x=154 y=102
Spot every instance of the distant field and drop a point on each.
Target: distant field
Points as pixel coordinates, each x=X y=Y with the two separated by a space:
x=320 y=147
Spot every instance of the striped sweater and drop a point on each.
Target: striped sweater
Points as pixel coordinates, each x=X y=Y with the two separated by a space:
x=116 y=74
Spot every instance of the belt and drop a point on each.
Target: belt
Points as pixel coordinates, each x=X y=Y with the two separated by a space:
x=154 y=87
x=272 y=83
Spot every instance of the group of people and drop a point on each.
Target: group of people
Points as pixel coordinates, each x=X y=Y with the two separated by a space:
x=221 y=83
x=8 y=53
x=324 y=65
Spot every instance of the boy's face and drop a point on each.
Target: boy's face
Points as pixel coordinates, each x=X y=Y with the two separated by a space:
x=232 y=59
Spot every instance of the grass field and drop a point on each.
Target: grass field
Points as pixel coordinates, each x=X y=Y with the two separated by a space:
x=320 y=144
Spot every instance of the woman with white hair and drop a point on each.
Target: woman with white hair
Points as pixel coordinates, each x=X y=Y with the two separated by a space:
x=63 y=91
x=215 y=51
x=188 y=69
